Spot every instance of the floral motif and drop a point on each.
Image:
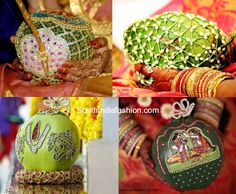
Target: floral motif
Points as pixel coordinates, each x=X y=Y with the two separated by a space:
x=62 y=145
x=182 y=108
x=57 y=103
x=35 y=145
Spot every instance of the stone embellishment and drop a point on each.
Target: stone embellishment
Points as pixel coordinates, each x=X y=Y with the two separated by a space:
x=64 y=38
x=189 y=149
x=182 y=108
x=57 y=103
x=175 y=40
x=35 y=143
x=62 y=145
x=20 y=147
x=57 y=50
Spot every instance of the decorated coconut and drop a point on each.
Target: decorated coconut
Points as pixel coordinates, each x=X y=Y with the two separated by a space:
x=64 y=37
x=187 y=154
x=175 y=40
x=47 y=143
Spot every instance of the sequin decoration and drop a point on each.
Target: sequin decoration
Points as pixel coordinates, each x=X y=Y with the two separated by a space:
x=62 y=145
x=64 y=39
x=20 y=147
x=35 y=145
x=175 y=40
x=56 y=47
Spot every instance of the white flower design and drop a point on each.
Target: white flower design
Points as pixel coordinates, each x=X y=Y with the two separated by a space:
x=57 y=102
x=144 y=101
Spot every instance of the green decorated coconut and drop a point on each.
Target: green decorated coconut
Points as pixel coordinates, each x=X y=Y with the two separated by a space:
x=175 y=40
x=49 y=141
x=188 y=154
x=65 y=38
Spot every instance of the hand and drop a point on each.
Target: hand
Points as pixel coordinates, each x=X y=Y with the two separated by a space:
x=75 y=70
x=21 y=73
x=18 y=67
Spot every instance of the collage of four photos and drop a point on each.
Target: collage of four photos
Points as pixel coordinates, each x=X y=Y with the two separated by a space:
x=117 y=96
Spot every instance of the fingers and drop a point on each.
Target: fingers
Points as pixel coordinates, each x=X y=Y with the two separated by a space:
x=64 y=70
x=74 y=70
x=16 y=65
x=26 y=76
x=99 y=42
x=67 y=77
x=13 y=39
x=69 y=64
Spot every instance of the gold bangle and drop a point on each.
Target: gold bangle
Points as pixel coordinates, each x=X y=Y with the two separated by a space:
x=197 y=83
x=184 y=89
x=128 y=125
x=217 y=83
x=211 y=83
x=200 y=84
x=193 y=78
x=137 y=147
x=214 y=101
x=132 y=142
x=207 y=81
x=173 y=84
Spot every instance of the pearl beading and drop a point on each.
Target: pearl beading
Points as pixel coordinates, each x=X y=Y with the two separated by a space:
x=175 y=40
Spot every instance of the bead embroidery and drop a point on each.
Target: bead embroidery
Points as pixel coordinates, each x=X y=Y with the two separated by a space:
x=57 y=49
x=20 y=147
x=35 y=145
x=173 y=45
x=64 y=40
x=62 y=145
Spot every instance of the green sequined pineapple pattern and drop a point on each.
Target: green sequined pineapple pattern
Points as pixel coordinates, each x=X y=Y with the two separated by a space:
x=175 y=40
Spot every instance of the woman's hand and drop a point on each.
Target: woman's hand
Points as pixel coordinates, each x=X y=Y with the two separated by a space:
x=75 y=70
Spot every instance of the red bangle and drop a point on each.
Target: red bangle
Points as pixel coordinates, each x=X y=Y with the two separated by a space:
x=180 y=80
x=184 y=82
x=210 y=107
x=129 y=135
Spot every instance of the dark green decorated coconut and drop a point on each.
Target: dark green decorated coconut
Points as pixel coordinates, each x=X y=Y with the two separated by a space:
x=175 y=40
x=188 y=154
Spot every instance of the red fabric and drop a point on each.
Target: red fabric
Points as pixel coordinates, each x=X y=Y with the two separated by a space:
x=7 y=141
x=230 y=68
x=17 y=87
